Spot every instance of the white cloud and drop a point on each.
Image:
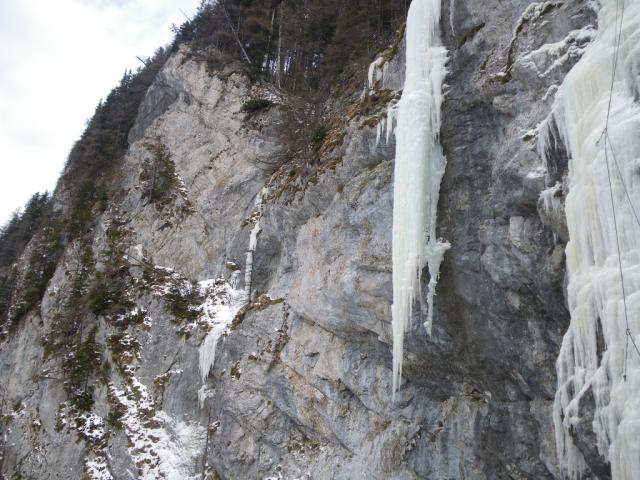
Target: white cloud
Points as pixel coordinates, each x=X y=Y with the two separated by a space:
x=58 y=59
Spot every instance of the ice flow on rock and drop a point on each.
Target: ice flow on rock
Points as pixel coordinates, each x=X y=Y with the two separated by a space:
x=419 y=167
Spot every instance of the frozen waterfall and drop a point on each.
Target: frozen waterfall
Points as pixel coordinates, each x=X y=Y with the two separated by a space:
x=253 y=241
x=224 y=300
x=419 y=167
x=594 y=349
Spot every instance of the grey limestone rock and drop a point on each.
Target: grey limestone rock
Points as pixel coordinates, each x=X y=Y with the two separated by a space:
x=301 y=384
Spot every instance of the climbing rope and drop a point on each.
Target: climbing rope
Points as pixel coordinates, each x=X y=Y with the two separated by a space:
x=616 y=52
x=629 y=336
x=624 y=185
x=608 y=145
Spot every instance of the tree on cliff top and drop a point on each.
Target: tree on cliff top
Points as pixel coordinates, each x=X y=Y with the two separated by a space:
x=298 y=44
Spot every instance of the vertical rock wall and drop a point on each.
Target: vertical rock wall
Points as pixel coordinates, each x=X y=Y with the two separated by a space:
x=301 y=385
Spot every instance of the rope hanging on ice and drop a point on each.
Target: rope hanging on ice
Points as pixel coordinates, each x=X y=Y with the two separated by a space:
x=607 y=140
x=596 y=100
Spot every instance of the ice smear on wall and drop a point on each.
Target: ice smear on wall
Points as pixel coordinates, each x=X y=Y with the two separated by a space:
x=224 y=299
x=253 y=241
x=593 y=352
x=419 y=167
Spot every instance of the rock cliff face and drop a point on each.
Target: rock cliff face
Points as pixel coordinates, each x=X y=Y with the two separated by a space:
x=301 y=384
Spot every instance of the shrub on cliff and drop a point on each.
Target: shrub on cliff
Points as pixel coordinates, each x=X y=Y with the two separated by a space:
x=158 y=177
x=256 y=105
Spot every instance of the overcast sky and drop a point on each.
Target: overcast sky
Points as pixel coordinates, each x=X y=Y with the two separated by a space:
x=57 y=60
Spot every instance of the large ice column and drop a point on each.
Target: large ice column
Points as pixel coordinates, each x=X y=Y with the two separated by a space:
x=419 y=167
x=595 y=346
